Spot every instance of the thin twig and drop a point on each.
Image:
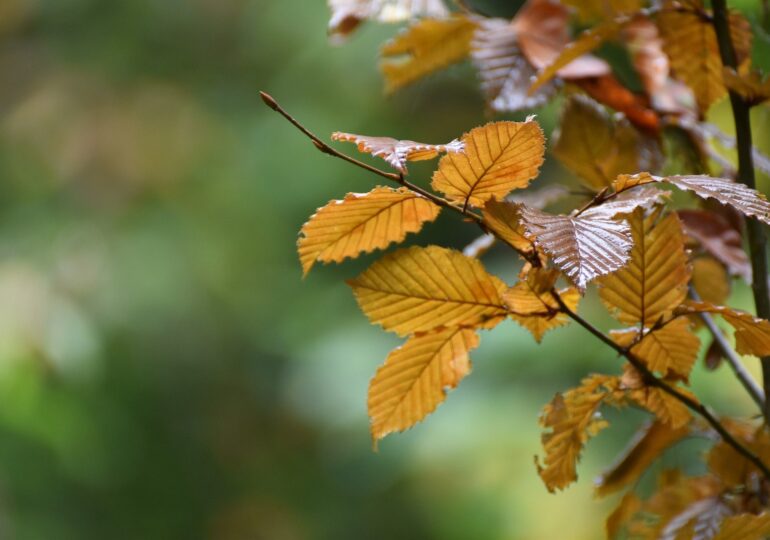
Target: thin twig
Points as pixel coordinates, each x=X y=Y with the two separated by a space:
x=650 y=378
x=732 y=357
x=756 y=232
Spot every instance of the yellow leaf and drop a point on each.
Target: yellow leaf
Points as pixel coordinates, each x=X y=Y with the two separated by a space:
x=645 y=447
x=752 y=335
x=745 y=527
x=595 y=146
x=412 y=381
x=502 y=218
x=690 y=42
x=396 y=152
x=498 y=158
x=421 y=289
x=629 y=505
x=710 y=280
x=427 y=46
x=362 y=223
x=570 y=419
x=663 y=405
x=670 y=350
x=532 y=306
x=654 y=282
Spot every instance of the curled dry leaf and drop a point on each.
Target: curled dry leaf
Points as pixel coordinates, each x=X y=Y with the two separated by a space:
x=412 y=381
x=645 y=447
x=752 y=335
x=425 y=47
x=361 y=223
x=532 y=305
x=655 y=280
x=419 y=289
x=718 y=237
x=504 y=72
x=396 y=152
x=691 y=44
x=570 y=419
x=498 y=158
x=670 y=350
x=595 y=146
x=347 y=15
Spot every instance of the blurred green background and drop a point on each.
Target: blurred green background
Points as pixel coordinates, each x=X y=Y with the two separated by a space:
x=165 y=373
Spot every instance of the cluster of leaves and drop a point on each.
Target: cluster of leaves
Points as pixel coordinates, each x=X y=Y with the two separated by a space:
x=660 y=272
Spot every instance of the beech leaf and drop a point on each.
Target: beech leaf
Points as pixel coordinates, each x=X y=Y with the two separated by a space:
x=719 y=238
x=361 y=223
x=745 y=527
x=752 y=334
x=498 y=158
x=412 y=381
x=419 y=289
x=396 y=152
x=502 y=218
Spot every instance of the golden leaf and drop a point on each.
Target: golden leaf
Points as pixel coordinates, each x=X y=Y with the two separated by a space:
x=663 y=405
x=750 y=86
x=710 y=280
x=745 y=200
x=654 y=282
x=396 y=152
x=752 y=335
x=571 y=419
x=425 y=47
x=645 y=447
x=593 y=145
x=602 y=9
x=532 y=306
x=502 y=218
x=670 y=350
x=504 y=72
x=347 y=15
x=629 y=505
x=498 y=158
x=362 y=223
x=745 y=527
x=691 y=44
x=412 y=381
x=420 y=289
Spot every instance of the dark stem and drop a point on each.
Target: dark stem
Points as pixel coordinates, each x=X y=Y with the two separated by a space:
x=756 y=232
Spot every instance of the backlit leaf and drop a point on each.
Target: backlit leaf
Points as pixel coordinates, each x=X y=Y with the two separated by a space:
x=502 y=217
x=752 y=335
x=645 y=447
x=531 y=304
x=347 y=15
x=396 y=152
x=362 y=222
x=663 y=405
x=745 y=527
x=413 y=380
x=498 y=158
x=593 y=145
x=420 y=289
x=425 y=47
x=670 y=350
x=504 y=72
x=570 y=419
x=655 y=280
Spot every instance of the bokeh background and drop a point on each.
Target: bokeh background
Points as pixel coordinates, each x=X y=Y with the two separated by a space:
x=165 y=373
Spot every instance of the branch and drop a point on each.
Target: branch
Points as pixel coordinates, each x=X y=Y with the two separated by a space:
x=649 y=377
x=652 y=380
x=732 y=357
x=756 y=233
x=393 y=177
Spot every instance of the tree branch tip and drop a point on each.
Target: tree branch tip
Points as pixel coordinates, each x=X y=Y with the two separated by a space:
x=269 y=100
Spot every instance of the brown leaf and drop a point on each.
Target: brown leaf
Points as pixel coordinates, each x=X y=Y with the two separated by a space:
x=413 y=380
x=420 y=289
x=719 y=238
x=504 y=72
x=645 y=447
x=752 y=335
x=629 y=505
x=502 y=218
x=663 y=405
x=670 y=350
x=347 y=15
x=655 y=280
x=714 y=356
x=609 y=91
x=498 y=158
x=396 y=152
x=361 y=223
x=593 y=145
x=425 y=47
x=745 y=527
